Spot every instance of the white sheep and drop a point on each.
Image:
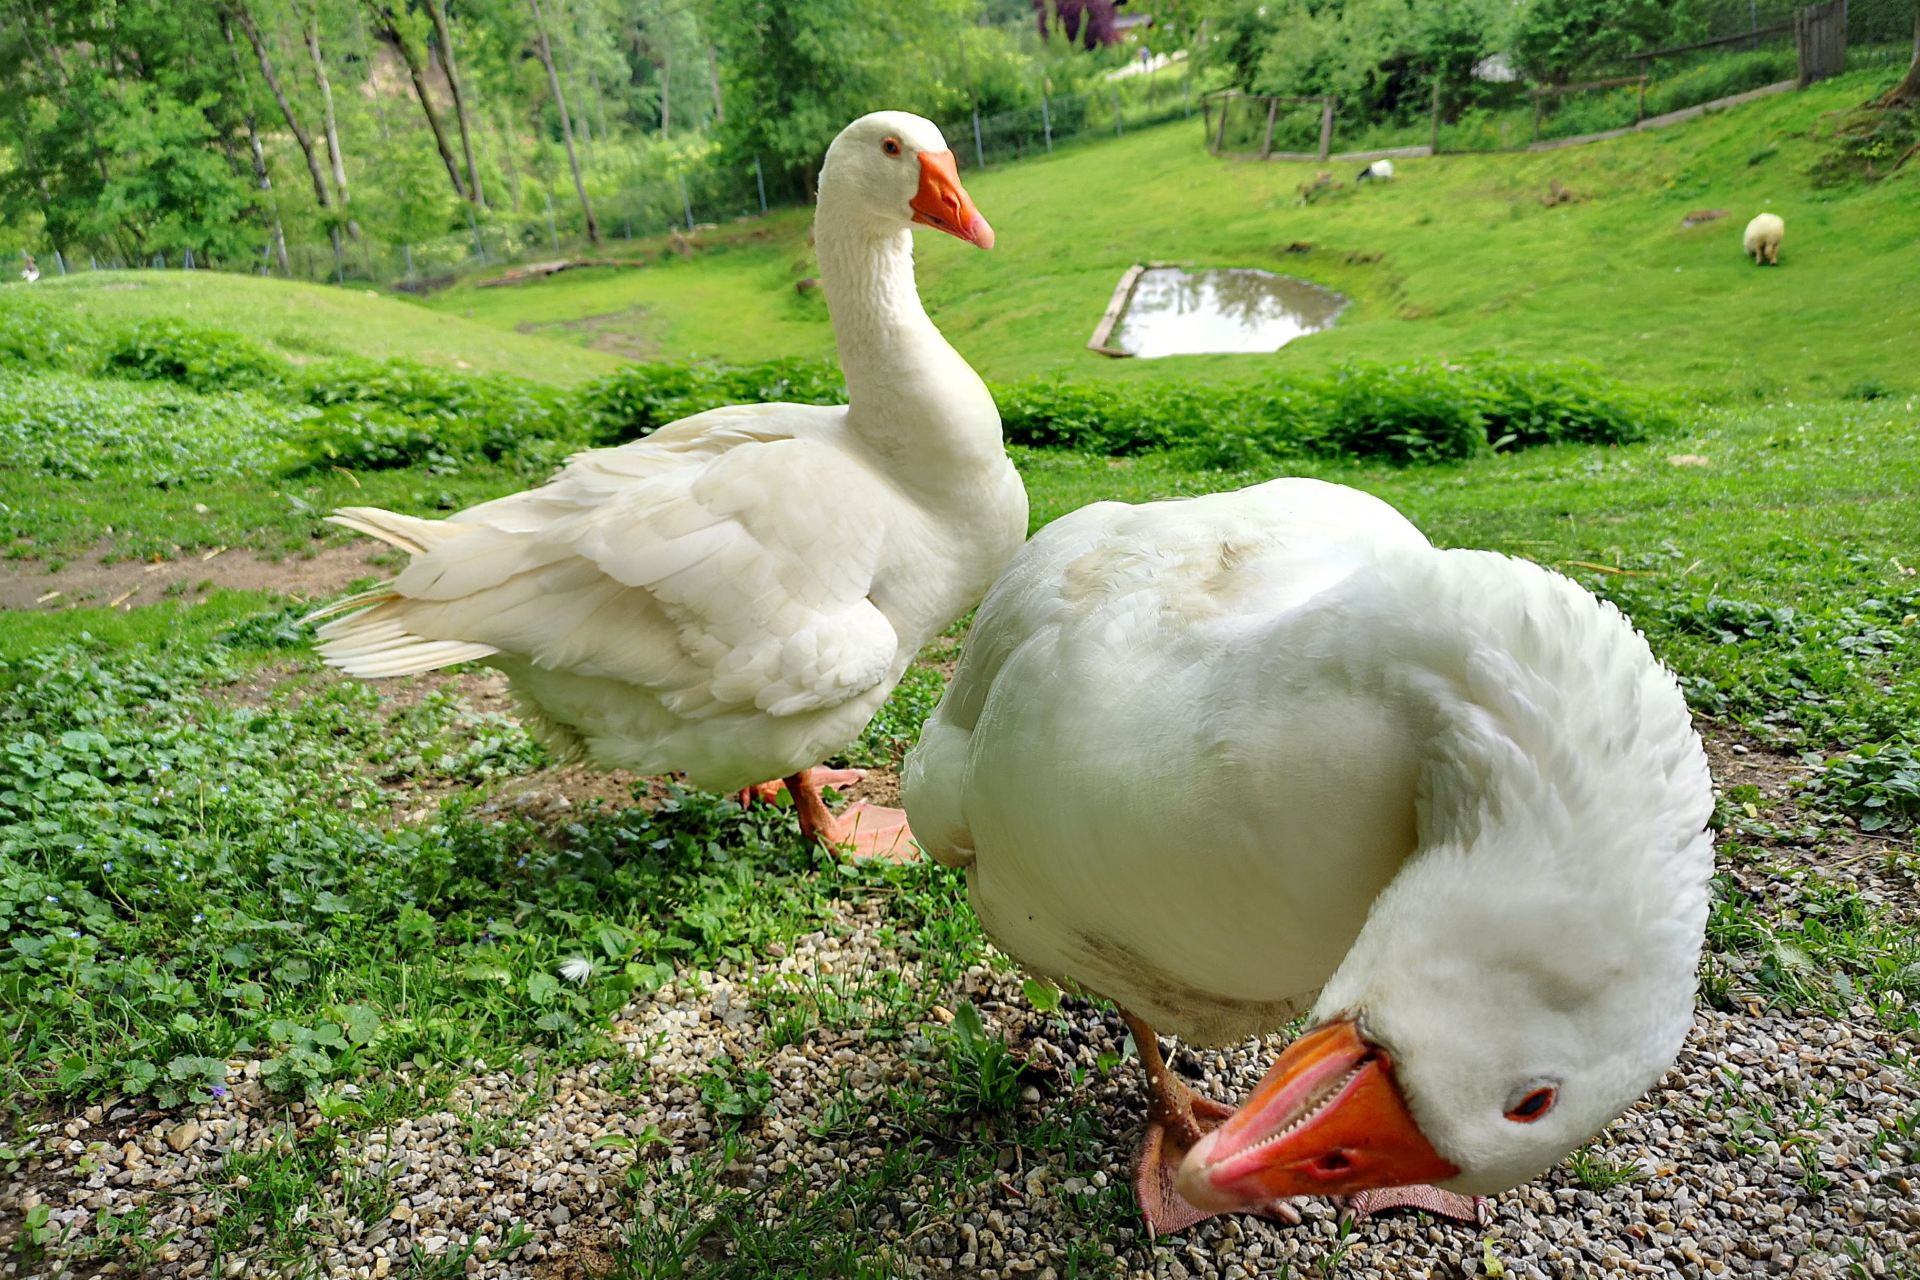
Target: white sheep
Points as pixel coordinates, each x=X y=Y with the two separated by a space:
x=1763 y=237
x=1378 y=171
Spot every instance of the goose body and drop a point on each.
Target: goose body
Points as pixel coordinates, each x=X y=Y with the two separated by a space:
x=733 y=596
x=1231 y=759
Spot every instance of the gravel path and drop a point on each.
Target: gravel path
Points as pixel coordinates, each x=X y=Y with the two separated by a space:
x=1770 y=1150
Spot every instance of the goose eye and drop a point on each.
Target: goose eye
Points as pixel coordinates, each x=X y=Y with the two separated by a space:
x=891 y=146
x=1533 y=1106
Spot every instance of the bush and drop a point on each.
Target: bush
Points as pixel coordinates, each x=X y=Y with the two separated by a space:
x=200 y=359
x=637 y=401
x=384 y=409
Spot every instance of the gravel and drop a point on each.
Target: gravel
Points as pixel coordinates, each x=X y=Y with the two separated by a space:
x=1768 y=1151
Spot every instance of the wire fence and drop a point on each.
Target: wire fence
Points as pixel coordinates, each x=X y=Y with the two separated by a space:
x=550 y=223
x=1737 y=48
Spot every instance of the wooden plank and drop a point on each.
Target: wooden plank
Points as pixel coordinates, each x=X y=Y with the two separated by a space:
x=1266 y=145
x=1115 y=305
x=1326 y=127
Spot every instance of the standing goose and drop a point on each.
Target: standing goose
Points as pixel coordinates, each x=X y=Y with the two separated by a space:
x=1231 y=759
x=735 y=595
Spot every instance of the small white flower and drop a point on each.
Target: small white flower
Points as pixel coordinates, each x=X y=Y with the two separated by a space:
x=576 y=969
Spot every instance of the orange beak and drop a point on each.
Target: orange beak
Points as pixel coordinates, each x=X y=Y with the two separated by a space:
x=942 y=203
x=1327 y=1120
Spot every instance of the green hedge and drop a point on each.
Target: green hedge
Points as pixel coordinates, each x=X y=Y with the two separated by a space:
x=392 y=414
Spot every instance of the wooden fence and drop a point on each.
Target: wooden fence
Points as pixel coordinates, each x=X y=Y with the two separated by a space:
x=1224 y=101
x=1820 y=32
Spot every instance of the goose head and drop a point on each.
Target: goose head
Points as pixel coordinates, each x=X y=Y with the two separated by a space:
x=890 y=169
x=1499 y=1007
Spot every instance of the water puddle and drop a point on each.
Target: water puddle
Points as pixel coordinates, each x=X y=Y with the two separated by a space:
x=1175 y=312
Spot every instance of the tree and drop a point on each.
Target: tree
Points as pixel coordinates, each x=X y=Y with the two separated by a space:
x=1090 y=22
x=327 y=118
x=261 y=174
x=545 y=48
x=396 y=30
x=1555 y=40
x=243 y=19
x=1907 y=92
x=438 y=13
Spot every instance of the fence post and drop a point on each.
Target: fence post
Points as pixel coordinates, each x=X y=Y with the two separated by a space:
x=1539 y=100
x=553 y=234
x=407 y=249
x=1640 y=111
x=979 y=152
x=1220 y=136
x=93 y=263
x=1186 y=95
x=186 y=260
x=1266 y=144
x=1114 y=96
x=1046 y=119
x=686 y=205
x=479 y=242
x=1326 y=127
x=1433 y=132
x=759 y=181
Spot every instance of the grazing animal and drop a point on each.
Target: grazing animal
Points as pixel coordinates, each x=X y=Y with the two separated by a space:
x=1230 y=759
x=734 y=596
x=31 y=272
x=1378 y=171
x=1762 y=239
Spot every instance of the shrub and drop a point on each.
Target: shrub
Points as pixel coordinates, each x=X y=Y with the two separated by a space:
x=635 y=402
x=200 y=359
x=374 y=407
x=1879 y=783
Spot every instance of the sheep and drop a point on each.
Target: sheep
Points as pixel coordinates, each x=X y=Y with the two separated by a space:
x=1378 y=171
x=32 y=271
x=1762 y=240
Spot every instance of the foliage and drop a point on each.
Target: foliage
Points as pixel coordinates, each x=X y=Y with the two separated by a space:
x=1405 y=413
x=1877 y=782
x=201 y=359
x=1555 y=40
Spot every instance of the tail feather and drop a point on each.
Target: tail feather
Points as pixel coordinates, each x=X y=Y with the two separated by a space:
x=370 y=642
x=411 y=534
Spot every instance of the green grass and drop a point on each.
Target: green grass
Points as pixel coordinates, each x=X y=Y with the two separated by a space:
x=304 y=321
x=1457 y=255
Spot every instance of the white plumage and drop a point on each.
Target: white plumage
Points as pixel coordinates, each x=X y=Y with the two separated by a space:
x=735 y=595
x=1230 y=759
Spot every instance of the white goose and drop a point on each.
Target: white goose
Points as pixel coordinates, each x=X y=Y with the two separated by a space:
x=735 y=595
x=1230 y=759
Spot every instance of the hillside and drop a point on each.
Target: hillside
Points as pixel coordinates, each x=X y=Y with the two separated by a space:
x=303 y=320
x=1458 y=254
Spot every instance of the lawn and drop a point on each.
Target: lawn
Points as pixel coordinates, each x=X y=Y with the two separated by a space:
x=1458 y=254
x=303 y=974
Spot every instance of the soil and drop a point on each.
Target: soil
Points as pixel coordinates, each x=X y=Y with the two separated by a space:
x=628 y=333
x=98 y=579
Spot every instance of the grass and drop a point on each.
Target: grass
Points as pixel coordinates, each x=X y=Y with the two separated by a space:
x=305 y=321
x=1457 y=255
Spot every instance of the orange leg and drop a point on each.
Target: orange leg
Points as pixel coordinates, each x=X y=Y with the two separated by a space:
x=866 y=830
x=1177 y=1118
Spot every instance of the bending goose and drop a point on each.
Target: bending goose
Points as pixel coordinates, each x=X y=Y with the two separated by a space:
x=735 y=595
x=1227 y=760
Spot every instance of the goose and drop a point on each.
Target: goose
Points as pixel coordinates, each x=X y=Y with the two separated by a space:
x=1231 y=759
x=735 y=595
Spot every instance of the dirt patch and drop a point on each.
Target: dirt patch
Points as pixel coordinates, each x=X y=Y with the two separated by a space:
x=630 y=332
x=880 y=786
x=124 y=584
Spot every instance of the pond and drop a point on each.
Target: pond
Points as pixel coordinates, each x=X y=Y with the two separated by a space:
x=1175 y=312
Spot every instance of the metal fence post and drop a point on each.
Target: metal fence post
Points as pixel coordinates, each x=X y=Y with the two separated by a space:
x=407 y=249
x=479 y=242
x=1114 y=96
x=979 y=152
x=93 y=263
x=1433 y=132
x=686 y=205
x=60 y=262
x=760 y=181
x=1186 y=93
x=553 y=235
x=186 y=260
x=1046 y=119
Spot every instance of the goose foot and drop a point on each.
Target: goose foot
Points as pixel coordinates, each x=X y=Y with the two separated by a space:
x=1177 y=1118
x=1441 y=1204
x=864 y=830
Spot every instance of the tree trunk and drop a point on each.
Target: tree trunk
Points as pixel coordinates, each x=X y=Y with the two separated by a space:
x=437 y=11
x=1907 y=92
x=666 y=89
x=545 y=49
x=260 y=172
x=506 y=158
x=713 y=78
x=327 y=120
x=387 y=28
x=300 y=135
